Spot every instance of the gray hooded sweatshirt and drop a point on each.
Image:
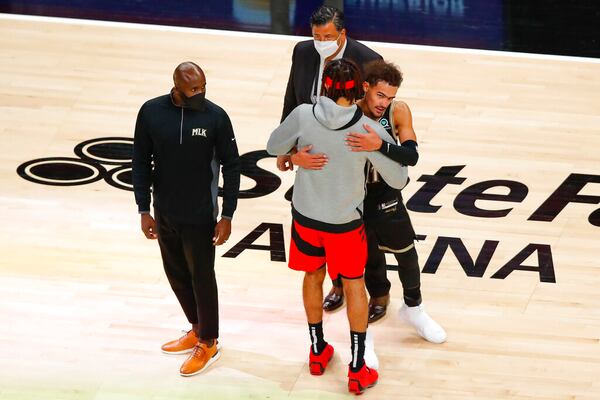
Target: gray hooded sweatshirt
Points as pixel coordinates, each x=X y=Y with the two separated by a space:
x=333 y=195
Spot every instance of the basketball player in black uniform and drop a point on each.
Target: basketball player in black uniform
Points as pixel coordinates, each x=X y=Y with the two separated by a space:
x=387 y=222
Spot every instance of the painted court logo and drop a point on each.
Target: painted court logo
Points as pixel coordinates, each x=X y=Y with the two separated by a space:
x=110 y=159
x=106 y=158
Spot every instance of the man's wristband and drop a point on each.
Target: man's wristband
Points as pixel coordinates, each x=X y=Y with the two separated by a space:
x=384 y=148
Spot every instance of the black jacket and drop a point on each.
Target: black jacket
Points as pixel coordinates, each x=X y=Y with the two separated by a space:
x=178 y=151
x=305 y=67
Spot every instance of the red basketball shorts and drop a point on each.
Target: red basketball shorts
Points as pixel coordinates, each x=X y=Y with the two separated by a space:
x=344 y=253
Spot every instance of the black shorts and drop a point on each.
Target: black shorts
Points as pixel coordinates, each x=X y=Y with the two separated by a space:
x=394 y=232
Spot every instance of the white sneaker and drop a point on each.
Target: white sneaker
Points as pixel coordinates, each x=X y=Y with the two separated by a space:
x=370 y=357
x=426 y=327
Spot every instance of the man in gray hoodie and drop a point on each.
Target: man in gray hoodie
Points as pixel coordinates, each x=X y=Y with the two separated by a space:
x=327 y=210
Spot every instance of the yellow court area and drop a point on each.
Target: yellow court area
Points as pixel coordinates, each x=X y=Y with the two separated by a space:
x=85 y=305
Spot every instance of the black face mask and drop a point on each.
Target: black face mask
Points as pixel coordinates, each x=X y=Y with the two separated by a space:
x=195 y=102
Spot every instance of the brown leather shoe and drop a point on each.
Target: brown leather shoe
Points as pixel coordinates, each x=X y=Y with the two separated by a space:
x=183 y=345
x=202 y=357
x=333 y=301
x=378 y=307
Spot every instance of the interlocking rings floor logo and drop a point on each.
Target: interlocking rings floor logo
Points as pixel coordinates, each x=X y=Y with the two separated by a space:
x=113 y=152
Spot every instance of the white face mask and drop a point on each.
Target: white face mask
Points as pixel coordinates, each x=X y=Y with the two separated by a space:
x=326 y=48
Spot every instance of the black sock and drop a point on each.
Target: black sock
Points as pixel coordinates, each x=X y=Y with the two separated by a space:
x=317 y=343
x=357 y=339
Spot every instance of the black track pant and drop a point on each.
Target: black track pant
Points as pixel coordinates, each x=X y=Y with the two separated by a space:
x=189 y=259
x=393 y=234
x=408 y=270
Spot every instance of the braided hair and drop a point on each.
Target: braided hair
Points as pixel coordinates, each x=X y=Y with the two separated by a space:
x=341 y=78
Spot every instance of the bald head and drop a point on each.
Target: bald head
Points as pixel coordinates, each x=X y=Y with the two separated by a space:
x=189 y=81
x=187 y=70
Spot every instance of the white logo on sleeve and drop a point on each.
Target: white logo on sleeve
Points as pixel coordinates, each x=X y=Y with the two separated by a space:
x=199 y=132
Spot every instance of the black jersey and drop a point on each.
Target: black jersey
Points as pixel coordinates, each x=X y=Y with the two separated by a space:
x=381 y=198
x=385 y=121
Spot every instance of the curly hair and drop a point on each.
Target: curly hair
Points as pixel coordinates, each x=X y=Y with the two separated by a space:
x=380 y=70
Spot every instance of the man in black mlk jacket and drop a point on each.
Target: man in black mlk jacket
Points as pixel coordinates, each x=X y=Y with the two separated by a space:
x=181 y=141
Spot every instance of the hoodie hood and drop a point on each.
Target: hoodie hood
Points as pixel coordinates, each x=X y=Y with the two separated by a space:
x=331 y=115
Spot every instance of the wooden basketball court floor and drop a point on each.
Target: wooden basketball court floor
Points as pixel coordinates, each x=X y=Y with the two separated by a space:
x=84 y=303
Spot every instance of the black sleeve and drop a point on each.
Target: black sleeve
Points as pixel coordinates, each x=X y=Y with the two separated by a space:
x=227 y=152
x=407 y=154
x=142 y=162
x=289 y=100
x=375 y=56
x=364 y=55
x=369 y=57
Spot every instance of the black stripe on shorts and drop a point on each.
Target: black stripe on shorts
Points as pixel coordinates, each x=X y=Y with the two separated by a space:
x=304 y=246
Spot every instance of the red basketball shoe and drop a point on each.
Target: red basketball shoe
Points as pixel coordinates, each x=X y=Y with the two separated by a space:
x=359 y=381
x=318 y=363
